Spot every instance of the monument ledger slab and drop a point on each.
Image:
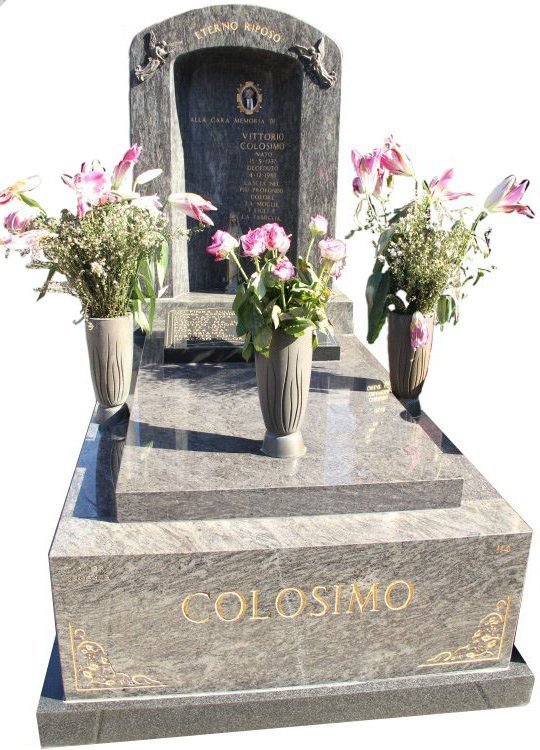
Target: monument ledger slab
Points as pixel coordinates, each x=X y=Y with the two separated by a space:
x=200 y=457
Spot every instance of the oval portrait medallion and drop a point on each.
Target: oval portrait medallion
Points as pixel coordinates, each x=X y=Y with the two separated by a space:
x=249 y=98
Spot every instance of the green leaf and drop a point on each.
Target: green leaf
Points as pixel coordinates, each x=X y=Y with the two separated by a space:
x=386 y=237
x=43 y=290
x=247 y=351
x=276 y=311
x=162 y=263
x=262 y=338
x=31 y=202
x=378 y=286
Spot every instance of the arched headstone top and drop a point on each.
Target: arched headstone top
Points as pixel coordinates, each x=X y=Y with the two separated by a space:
x=240 y=104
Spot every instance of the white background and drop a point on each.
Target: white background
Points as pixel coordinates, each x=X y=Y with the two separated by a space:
x=457 y=84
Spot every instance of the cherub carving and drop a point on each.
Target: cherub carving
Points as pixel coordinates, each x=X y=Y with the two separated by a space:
x=312 y=59
x=157 y=53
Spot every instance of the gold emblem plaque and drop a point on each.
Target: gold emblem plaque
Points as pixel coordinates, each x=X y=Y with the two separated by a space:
x=249 y=98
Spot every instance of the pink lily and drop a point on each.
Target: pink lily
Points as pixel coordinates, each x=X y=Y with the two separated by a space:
x=395 y=160
x=25 y=242
x=507 y=195
x=15 y=190
x=21 y=220
x=123 y=172
x=369 y=172
x=193 y=205
x=438 y=187
x=91 y=184
x=419 y=331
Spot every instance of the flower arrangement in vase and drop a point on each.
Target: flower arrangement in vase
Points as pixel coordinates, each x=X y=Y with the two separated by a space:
x=280 y=308
x=427 y=255
x=111 y=253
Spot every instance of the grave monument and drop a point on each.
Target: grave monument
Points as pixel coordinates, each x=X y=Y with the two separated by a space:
x=198 y=585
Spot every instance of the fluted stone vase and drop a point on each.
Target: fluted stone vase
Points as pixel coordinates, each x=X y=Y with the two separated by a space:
x=110 y=351
x=408 y=368
x=283 y=382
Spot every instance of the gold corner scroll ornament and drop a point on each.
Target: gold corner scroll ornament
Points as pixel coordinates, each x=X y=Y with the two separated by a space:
x=485 y=645
x=94 y=671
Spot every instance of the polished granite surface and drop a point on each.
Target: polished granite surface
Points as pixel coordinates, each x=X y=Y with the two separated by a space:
x=193 y=446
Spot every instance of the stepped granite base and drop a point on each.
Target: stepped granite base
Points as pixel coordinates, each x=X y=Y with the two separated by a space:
x=62 y=723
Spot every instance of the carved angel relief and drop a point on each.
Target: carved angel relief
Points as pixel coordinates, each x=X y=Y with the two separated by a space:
x=312 y=59
x=157 y=53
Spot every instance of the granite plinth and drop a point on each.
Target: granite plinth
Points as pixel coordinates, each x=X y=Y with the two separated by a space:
x=193 y=446
x=62 y=723
x=161 y=608
x=209 y=335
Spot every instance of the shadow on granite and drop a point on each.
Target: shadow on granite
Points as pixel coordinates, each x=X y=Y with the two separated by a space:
x=169 y=438
x=99 y=465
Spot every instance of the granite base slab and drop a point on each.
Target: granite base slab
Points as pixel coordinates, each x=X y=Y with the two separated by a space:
x=63 y=723
x=195 y=433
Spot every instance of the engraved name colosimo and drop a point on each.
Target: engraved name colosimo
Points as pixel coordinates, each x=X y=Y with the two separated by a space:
x=200 y=607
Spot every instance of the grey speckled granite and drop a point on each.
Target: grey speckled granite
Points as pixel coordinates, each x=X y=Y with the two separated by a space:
x=188 y=118
x=194 y=438
x=63 y=723
x=120 y=589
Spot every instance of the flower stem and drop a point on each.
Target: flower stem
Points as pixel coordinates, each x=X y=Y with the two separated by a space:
x=284 y=303
x=309 y=248
x=233 y=255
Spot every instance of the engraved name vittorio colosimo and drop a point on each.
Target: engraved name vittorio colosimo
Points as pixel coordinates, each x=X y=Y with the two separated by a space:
x=200 y=607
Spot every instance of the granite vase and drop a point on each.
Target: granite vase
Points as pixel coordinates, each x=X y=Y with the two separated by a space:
x=110 y=352
x=408 y=368
x=283 y=382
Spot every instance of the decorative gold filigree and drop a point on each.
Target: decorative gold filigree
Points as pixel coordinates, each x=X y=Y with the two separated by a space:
x=485 y=644
x=94 y=671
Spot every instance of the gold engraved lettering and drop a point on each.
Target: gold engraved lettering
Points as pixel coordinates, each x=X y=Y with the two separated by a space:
x=186 y=611
x=291 y=602
x=356 y=597
x=318 y=598
x=255 y=607
x=301 y=605
x=389 y=590
x=337 y=600
x=219 y=606
x=220 y=27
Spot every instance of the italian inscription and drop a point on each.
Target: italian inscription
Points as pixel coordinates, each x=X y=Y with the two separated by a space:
x=200 y=607
x=239 y=114
x=188 y=325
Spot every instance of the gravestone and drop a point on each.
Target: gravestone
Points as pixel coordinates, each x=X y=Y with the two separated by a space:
x=239 y=104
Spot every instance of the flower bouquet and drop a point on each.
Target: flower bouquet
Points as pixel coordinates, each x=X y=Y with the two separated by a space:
x=427 y=255
x=111 y=253
x=280 y=308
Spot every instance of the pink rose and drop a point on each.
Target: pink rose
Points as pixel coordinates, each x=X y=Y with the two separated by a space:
x=318 y=225
x=254 y=242
x=276 y=238
x=337 y=268
x=284 y=269
x=223 y=244
x=332 y=250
